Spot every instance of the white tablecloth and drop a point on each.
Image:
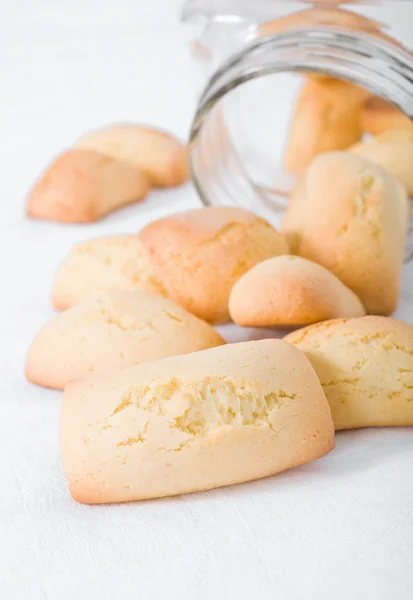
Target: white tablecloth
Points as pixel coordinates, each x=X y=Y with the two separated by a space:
x=339 y=528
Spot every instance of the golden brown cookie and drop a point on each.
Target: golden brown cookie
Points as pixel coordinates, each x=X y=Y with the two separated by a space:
x=81 y=186
x=161 y=157
x=114 y=330
x=392 y=150
x=118 y=262
x=379 y=116
x=193 y=422
x=289 y=290
x=201 y=253
x=350 y=216
x=365 y=367
x=327 y=116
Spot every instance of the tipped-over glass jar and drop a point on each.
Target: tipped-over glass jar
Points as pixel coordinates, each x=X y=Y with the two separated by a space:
x=282 y=81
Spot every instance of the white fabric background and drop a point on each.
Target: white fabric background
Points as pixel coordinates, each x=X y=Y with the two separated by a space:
x=339 y=528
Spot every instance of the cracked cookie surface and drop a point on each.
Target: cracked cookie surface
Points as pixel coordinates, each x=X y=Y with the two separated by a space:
x=201 y=253
x=365 y=366
x=118 y=262
x=194 y=422
x=350 y=216
x=113 y=330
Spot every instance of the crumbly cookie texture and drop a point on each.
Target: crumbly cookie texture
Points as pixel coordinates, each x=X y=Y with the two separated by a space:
x=350 y=216
x=81 y=186
x=289 y=290
x=103 y=264
x=380 y=116
x=161 y=157
x=326 y=117
x=201 y=253
x=365 y=367
x=193 y=422
x=392 y=150
x=111 y=331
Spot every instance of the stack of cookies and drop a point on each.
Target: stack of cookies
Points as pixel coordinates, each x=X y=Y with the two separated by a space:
x=107 y=169
x=156 y=403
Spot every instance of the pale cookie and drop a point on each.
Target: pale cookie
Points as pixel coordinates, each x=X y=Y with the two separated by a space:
x=365 y=367
x=289 y=290
x=81 y=186
x=195 y=422
x=103 y=264
x=392 y=150
x=395 y=135
x=111 y=331
x=350 y=216
x=379 y=116
x=162 y=158
x=201 y=253
x=326 y=117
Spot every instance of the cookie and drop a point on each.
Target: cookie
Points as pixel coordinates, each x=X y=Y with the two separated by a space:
x=103 y=264
x=193 y=422
x=365 y=367
x=392 y=150
x=161 y=157
x=379 y=116
x=289 y=290
x=81 y=186
x=111 y=331
x=201 y=253
x=350 y=216
x=327 y=116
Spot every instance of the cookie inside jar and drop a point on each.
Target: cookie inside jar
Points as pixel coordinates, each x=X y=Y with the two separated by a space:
x=293 y=81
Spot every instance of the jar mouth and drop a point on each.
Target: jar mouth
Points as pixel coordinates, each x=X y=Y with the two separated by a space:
x=360 y=58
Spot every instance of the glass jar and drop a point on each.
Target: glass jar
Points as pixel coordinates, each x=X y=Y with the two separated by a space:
x=253 y=57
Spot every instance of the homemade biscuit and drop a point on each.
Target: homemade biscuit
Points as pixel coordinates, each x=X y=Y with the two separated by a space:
x=114 y=330
x=350 y=216
x=161 y=157
x=379 y=116
x=103 y=264
x=327 y=116
x=392 y=150
x=365 y=367
x=81 y=186
x=201 y=253
x=194 y=422
x=395 y=135
x=289 y=290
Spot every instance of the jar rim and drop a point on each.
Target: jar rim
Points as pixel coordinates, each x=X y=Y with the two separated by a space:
x=358 y=57
x=380 y=67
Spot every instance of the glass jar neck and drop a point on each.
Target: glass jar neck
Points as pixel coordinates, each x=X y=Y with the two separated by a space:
x=381 y=68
